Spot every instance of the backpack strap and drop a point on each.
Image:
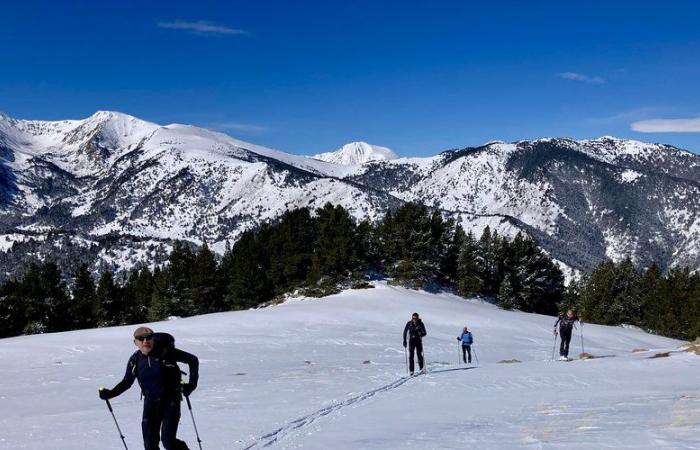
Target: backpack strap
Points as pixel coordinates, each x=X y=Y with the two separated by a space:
x=134 y=360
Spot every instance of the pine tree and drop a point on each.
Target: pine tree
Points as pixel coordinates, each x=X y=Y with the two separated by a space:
x=161 y=305
x=597 y=293
x=335 y=251
x=450 y=246
x=289 y=249
x=507 y=296
x=84 y=308
x=204 y=292
x=180 y=263
x=487 y=262
x=13 y=309
x=245 y=270
x=139 y=289
x=468 y=269
x=111 y=304
x=653 y=303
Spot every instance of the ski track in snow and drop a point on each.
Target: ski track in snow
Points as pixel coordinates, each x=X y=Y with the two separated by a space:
x=273 y=437
x=311 y=373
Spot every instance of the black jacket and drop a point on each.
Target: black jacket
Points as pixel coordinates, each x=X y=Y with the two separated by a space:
x=565 y=324
x=415 y=332
x=152 y=372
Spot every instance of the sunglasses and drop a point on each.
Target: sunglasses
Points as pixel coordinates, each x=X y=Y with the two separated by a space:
x=147 y=337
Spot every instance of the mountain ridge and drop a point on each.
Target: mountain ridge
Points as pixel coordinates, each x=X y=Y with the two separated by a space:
x=115 y=175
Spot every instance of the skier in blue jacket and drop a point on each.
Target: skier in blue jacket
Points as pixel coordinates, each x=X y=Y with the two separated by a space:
x=467 y=341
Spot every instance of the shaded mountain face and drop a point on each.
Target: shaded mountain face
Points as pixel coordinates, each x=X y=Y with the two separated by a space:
x=114 y=191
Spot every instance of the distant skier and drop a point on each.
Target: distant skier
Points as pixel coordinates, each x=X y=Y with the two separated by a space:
x=154 y=365
x=566 y=326
x=467 y=341
x=416 y=332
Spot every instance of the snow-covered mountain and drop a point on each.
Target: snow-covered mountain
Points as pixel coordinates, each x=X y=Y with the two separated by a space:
x=357 y=153
x=113 y=189
x=331 y=375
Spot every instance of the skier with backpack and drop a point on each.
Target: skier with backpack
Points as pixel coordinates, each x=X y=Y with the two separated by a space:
x=416 y=332
x=155 y=367
x=467 y=341
x=566 y=325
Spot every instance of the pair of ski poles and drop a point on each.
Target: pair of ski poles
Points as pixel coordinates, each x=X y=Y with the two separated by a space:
x=405 y=352
x=121 y=435
x=460 y=355
x=583 y=350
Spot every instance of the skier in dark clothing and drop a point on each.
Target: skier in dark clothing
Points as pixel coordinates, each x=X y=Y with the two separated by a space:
x=416 y=332
x=467 y=341
x=566 y=326
x=161 y=387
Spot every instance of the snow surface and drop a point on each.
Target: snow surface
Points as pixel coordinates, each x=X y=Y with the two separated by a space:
x=330 y=374
x=357 y=153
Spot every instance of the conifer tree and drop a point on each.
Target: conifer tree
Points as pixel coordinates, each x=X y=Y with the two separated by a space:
x=468 y=269
x=84 y=308
x=204 y=292
x=139 y=291
x=597 y=293
x=110 y=299
x=507 y=295
x=13 y=309
x=335 y=253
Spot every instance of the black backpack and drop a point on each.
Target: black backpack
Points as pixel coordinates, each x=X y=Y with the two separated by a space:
x=164 y=351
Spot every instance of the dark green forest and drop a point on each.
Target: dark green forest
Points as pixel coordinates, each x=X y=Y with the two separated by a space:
x=317 y=253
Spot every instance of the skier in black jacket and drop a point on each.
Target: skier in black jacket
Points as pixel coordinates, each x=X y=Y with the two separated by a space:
x=566 y=326
x=416 y=332
x=159 y=378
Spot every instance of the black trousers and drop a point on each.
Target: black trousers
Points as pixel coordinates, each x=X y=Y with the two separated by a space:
x=161 y=418
x=466 y=349
x=417 y=346
x=565 y=334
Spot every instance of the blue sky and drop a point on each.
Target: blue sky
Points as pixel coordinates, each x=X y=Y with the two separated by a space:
x=307 y=76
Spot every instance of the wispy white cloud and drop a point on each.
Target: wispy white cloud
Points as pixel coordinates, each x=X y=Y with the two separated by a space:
x=691 y=125
x=573 y=76
x=201 y=27
x=627 y=116
x=244 y=128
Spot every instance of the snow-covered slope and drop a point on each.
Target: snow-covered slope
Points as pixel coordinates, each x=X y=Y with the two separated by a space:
x=120 y=189
x=357 y=153
x=320 y=374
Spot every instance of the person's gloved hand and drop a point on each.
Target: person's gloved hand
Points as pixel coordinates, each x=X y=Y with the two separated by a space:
x=458 y=339
x=187 y=389
x=404 y=344
x=105 y=394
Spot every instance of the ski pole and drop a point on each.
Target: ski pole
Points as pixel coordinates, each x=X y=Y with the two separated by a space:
x=189 y=406
x=582 y=349
x=459 y=354
x=121 y=435
x=554 y=346
x=405 y=352
x=475 y=357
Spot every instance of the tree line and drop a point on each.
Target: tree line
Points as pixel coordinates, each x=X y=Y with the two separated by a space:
x=620 y=293
x=316 y=253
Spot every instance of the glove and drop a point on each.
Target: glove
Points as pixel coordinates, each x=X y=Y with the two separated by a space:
x=458 y=339
x=105 y=394
x=555 y=332
x=187 y=389
x=404 y=344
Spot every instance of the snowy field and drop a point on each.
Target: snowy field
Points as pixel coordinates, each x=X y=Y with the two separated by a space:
x=330 y=374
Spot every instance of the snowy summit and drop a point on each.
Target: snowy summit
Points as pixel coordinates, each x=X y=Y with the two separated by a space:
x=357 y=153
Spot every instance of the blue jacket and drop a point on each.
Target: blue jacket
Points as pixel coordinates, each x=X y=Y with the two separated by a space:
x=467 y=338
